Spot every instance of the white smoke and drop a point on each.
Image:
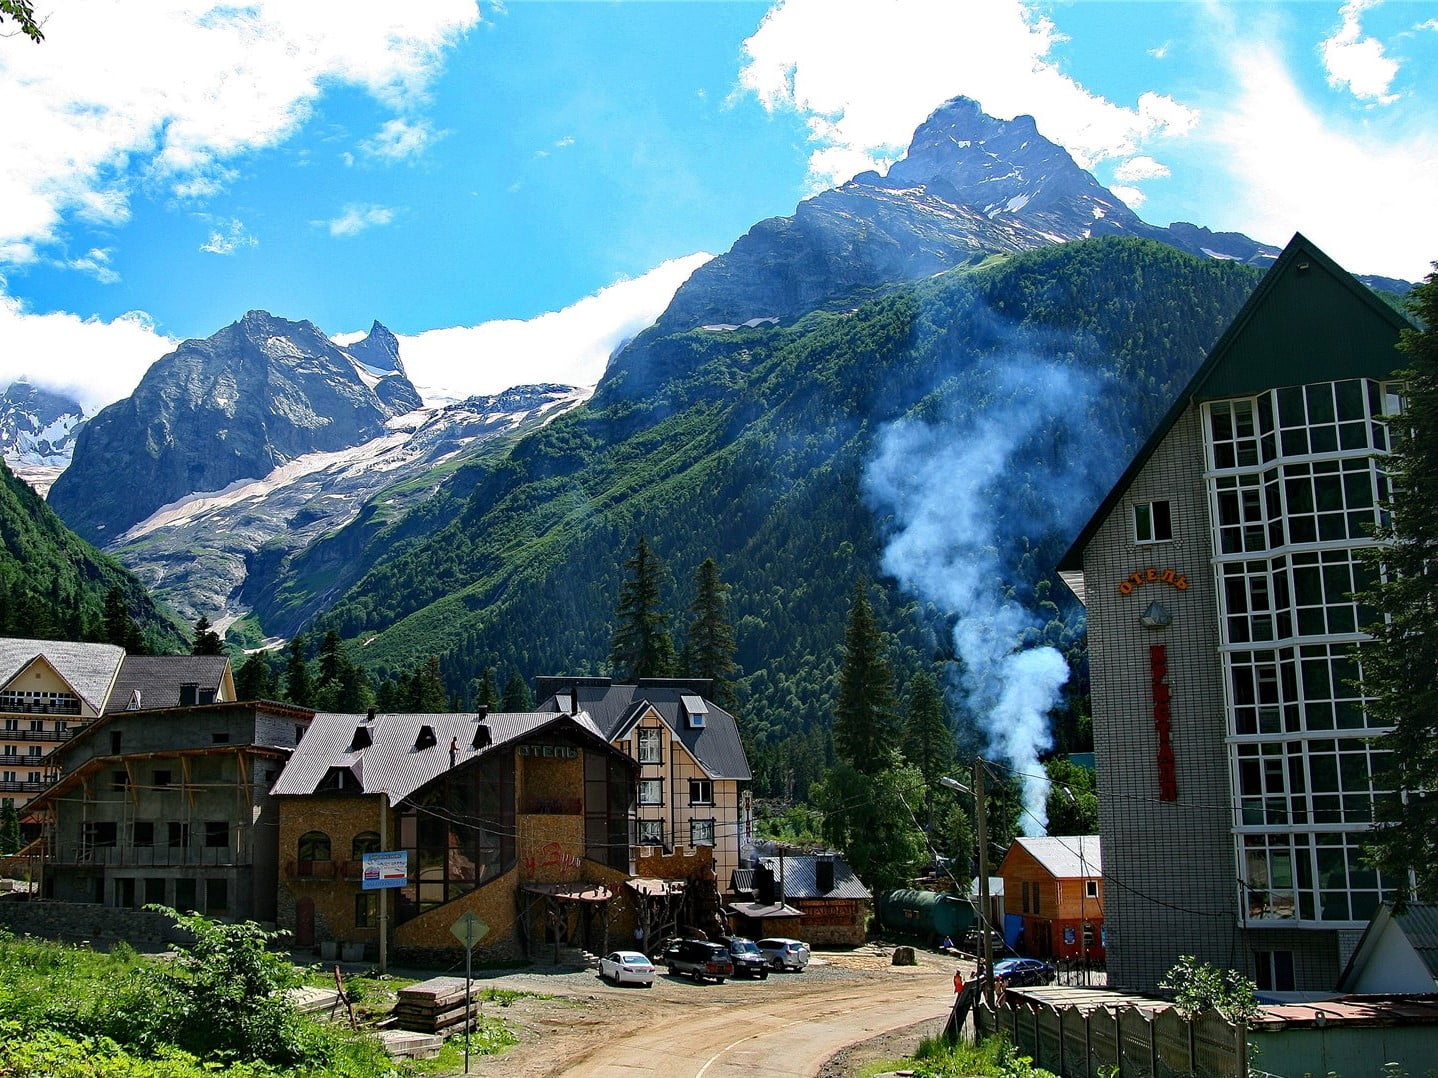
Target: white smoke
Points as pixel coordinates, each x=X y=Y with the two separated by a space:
x=961 y=509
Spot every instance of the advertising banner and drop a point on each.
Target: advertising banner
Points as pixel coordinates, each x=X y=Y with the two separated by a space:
x=388 y=868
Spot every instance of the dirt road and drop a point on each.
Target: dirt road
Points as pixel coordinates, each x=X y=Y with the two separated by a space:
x=788 y=1025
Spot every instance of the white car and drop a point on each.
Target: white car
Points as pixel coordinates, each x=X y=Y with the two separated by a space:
x=620 y=966
x=785 y=953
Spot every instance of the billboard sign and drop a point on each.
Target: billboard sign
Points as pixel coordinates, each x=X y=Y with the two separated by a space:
x=389 y=868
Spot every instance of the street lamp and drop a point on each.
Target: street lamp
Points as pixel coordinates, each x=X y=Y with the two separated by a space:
x=981 y=820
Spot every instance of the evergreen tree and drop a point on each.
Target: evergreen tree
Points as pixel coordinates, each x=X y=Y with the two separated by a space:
x=483 y=691
x=205 y=641
x=118 y=627
x=642 y=646
x=709 y=646
x=1072 y=802
x=866 y=722
x=867 y=815
x=255 y=679
x=342 y=685
x=299 y=686
x=426 y=688
x=928 y=741
x=9 y=828
x=517 y=697
x=1398 y=664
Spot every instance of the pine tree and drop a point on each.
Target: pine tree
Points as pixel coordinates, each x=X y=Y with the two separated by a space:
x=866 y=723
x=517 y=697
x=205 y=641
x=484 y=692
x=426 y=688
x=9 y=828
x=255 y=679
x=928 y=741
x=1398 y=664
x=642 y=646
x=342 y=686
x=299 y=686
x=709 y=646
x=119 y=628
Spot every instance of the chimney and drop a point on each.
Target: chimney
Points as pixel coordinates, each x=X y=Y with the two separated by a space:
x=574 y=699
x=764 y=890
x=453 y=750
x=369 y=715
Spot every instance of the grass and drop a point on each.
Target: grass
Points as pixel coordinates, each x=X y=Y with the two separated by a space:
x=68 y=1011
x=937 y=1058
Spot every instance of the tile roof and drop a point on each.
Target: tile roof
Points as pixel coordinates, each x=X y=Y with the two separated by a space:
x=392 y=763
x=615 y=708
x=157 y=678
x=1065 y=856
x=800 y=875
x=89 y=669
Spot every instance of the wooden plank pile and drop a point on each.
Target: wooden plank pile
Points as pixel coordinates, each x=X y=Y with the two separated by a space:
x=435 y=1006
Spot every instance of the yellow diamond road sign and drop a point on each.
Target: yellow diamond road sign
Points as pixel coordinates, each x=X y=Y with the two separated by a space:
x=469 y=929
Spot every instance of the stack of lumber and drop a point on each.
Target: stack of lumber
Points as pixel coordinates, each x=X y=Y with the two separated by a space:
x=435 y=1006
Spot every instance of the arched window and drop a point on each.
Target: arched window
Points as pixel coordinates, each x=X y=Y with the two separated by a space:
x=314 y=846
x=364 y=842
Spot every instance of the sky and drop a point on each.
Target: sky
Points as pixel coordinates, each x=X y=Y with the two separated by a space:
x=515 y=189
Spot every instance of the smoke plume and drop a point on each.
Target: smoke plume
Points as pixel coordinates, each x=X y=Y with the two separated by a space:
x=965 y=495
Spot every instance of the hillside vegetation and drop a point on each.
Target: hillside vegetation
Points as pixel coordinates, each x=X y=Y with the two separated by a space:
x=750 y=446
x=54 y=585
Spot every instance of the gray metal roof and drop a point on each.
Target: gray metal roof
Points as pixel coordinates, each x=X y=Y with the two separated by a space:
x=1065 y=857
x=89 y=669
x=157 y=678
x=392 y=763
x=615 y=708
x=801 y=877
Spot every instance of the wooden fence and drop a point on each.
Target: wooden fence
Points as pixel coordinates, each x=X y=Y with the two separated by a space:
x=1140 y=1042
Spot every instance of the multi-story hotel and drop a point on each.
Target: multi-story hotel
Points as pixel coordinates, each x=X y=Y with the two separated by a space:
x=1237 y=766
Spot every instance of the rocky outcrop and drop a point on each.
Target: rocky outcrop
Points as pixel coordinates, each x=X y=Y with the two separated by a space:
x=234 y=406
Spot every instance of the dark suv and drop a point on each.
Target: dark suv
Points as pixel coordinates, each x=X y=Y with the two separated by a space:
x=748 y=960
x=699 y=959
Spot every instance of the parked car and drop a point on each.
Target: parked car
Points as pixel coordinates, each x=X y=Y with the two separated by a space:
x=973 y=943
x=699 y=959
x=618 y=967
x=748 y=960
x=1018 y=972
x=784 y=953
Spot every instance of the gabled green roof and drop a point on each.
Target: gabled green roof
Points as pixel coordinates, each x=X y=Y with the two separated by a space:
x=1308 y=320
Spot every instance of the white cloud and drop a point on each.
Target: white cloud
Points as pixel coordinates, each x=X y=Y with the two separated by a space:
x=571 y=346
x=203 y=82
x=1130 y=196
x=1140 y=168
x=866 y=75
x=229 y=239
x=355 y=218
x=400 y=138
x=96 y=263
x=1358 y=62
x=101 y=361
x=1345 y=186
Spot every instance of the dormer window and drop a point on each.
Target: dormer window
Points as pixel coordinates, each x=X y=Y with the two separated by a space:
x=362 y=739
x=482 y=737
x=426 y=738
x=695 y=711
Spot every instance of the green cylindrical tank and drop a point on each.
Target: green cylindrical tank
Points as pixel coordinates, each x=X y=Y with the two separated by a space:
x=928 y=914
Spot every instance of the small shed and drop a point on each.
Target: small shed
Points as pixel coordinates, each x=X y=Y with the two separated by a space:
x=1398 y=952
x=758 y=920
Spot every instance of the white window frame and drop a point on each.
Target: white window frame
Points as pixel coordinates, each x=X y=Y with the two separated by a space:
x=646 y=738
x=701 y=791
x=1146 y=512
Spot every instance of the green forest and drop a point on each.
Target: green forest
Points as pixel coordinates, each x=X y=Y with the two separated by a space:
x=748 y=447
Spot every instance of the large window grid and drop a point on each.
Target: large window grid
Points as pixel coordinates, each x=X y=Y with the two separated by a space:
x=1295 y=489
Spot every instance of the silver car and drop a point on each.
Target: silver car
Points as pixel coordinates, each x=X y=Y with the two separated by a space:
x=620 y=966
x=785 y=953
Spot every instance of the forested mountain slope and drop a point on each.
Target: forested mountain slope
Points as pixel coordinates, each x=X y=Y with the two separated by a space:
x=750 y=445
x=54 y=585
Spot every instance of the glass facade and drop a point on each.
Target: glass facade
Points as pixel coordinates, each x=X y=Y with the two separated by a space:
x=1295 y=484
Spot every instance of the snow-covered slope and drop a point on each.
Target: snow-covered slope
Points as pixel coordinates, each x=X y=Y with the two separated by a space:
x=37 y=432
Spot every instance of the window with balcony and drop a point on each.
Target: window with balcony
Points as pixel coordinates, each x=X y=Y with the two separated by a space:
x=142 y=833
x=314 y=846
x=177 y=834
x=217 y=834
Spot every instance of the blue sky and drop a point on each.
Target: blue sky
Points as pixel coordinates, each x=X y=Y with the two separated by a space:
x=514 y=189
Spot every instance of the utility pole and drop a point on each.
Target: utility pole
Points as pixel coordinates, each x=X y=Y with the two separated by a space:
x=981 y=819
